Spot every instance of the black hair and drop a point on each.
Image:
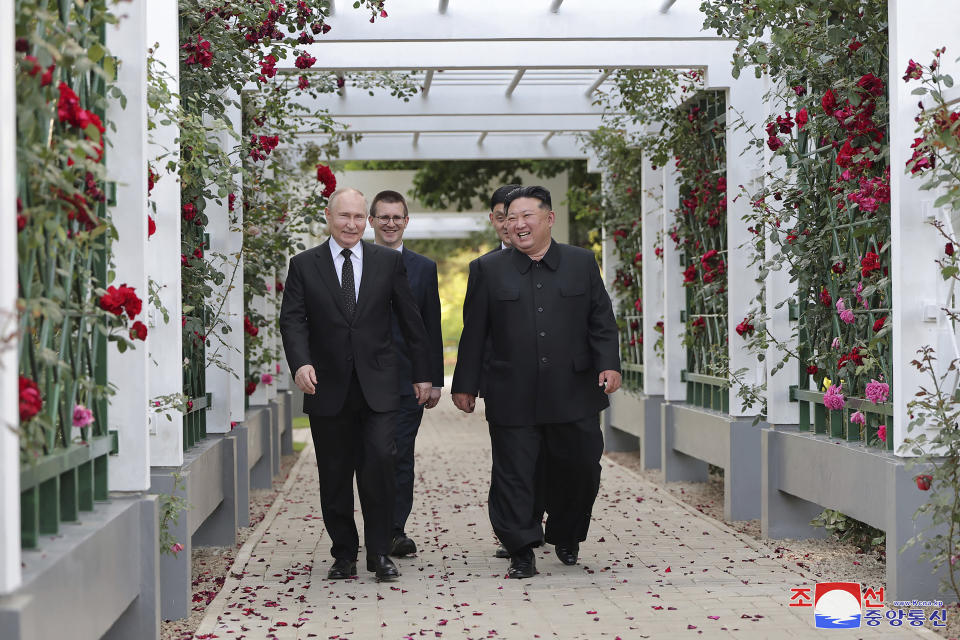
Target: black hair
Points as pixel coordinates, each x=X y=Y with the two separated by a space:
x=390 y=197
x=534 y=191
x=500 y=195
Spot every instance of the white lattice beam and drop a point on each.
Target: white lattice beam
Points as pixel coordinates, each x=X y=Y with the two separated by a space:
x=462 y=147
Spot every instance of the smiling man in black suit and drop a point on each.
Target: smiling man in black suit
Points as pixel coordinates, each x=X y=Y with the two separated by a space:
x=337 y=335
x=389 y=217
x=555 y=356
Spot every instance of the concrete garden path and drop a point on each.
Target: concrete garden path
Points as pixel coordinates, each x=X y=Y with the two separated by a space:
x=652 y=567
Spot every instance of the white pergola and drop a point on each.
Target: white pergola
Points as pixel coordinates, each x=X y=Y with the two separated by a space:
x=500 y=79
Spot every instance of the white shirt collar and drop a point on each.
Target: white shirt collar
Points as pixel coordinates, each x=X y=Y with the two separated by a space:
x=336 y=249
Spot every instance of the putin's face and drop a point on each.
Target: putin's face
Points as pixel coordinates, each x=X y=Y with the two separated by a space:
x=347 y=218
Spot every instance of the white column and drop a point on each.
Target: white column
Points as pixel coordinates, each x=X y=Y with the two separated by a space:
x=9 y=388
x=272 y=340
x=780 y=411
x=166 y=369
x=226 y=239
x=916 y=28
x=652 y=275
x=674 y=296
x=260 y=396
x=744 y=167
x=127 y=166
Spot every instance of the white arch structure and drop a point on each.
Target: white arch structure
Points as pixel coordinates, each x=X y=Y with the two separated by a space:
x=501 y=79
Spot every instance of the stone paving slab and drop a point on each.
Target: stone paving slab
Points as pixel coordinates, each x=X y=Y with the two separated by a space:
x=652 y=567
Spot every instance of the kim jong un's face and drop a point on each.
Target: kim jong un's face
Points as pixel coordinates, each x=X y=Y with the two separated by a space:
x=529 y=224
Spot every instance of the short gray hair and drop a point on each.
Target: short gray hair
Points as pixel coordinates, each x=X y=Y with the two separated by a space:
x=339 y=192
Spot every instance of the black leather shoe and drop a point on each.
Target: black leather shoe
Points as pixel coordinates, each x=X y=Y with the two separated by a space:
x=402 y=546
x=342 y=569
x=522 y=565
x=567 y=553
x=502 y=552
x=383 y=567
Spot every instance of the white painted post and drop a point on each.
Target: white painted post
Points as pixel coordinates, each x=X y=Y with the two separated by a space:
x=260 y=396
x=780 y=411
x=127 y=166
x=9 y=386
x=744 y=167
x=166 y=369
x=226 y=239
x=652 y=275
x=272 y=340
x=916 y=28
x=674 y=296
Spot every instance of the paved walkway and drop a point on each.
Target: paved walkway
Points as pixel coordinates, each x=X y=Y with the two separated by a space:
x=651 y=568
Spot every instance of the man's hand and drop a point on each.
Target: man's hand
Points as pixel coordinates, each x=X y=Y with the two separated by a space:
x=434 y=398
x=306 y=378
x=422 y=391
x=465 y=402
x=612 y=380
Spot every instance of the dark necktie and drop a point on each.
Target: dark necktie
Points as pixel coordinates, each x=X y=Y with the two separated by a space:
x=348 y=289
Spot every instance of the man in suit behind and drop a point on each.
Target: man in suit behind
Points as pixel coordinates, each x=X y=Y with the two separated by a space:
x=335 y=325
x=389 y=217
x=555 y=356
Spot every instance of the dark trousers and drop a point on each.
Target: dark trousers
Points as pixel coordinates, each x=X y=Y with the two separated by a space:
x=358 y=441
x=408 y=424
x=570 y=454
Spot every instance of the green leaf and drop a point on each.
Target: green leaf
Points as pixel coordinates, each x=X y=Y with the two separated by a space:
x=96 y=52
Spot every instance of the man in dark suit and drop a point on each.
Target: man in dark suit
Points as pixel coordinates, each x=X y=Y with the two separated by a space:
x=338 y=339
x=555 y=357
x=389 y=217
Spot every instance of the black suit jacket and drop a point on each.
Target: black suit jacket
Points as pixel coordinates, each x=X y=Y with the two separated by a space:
x=316 y=330
x=552 y=331
x=422 y=274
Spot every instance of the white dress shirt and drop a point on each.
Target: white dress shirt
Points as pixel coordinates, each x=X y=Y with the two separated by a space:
x=356 y=257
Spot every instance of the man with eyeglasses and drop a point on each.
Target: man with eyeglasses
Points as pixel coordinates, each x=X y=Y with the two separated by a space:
x=339 y=344
x=555 y=357
x=389 y=217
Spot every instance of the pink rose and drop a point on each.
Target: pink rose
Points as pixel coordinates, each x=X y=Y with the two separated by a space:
x=266 y=378
x=858 y=418
x=877 y=392
x=833 y=399
x=882 y=432
x=82 y=416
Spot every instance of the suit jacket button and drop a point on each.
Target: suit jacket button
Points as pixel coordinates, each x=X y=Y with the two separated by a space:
x=539 y=309
x=543 y=359
x=539 y=286
x=543 y=334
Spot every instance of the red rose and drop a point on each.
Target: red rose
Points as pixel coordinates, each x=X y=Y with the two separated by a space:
x=828 y=101
x=802 y=118
x=774 y=143
x=878 y=324
x=812 y=369
x=744 y=328
x=151 y=226
x=189 y=211
x=854 y=46
x=914 y=71
x=871 y=84
x=138 y=331
x=251 y=387
x=305 y=61
x=869 y=263
x=924 y=481
x=825 y=298
x=112 y=301
x=325 y=175
x=279 y=287
x=47 y=78
x=30 y=400
x=248 y=326
x=303 y=83
x=690 y=274
x=948 y=249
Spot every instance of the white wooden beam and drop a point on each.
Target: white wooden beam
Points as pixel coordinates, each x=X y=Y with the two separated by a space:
x=516 y=80
x=651 y=274
x=461 y=147
x=127 y=166
x=10 y=575
x=674 y=295
x=483 y=136
x=531 y=54
x=451 y=101
x=462 y=124
x=416 y=138
x=472 y=20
